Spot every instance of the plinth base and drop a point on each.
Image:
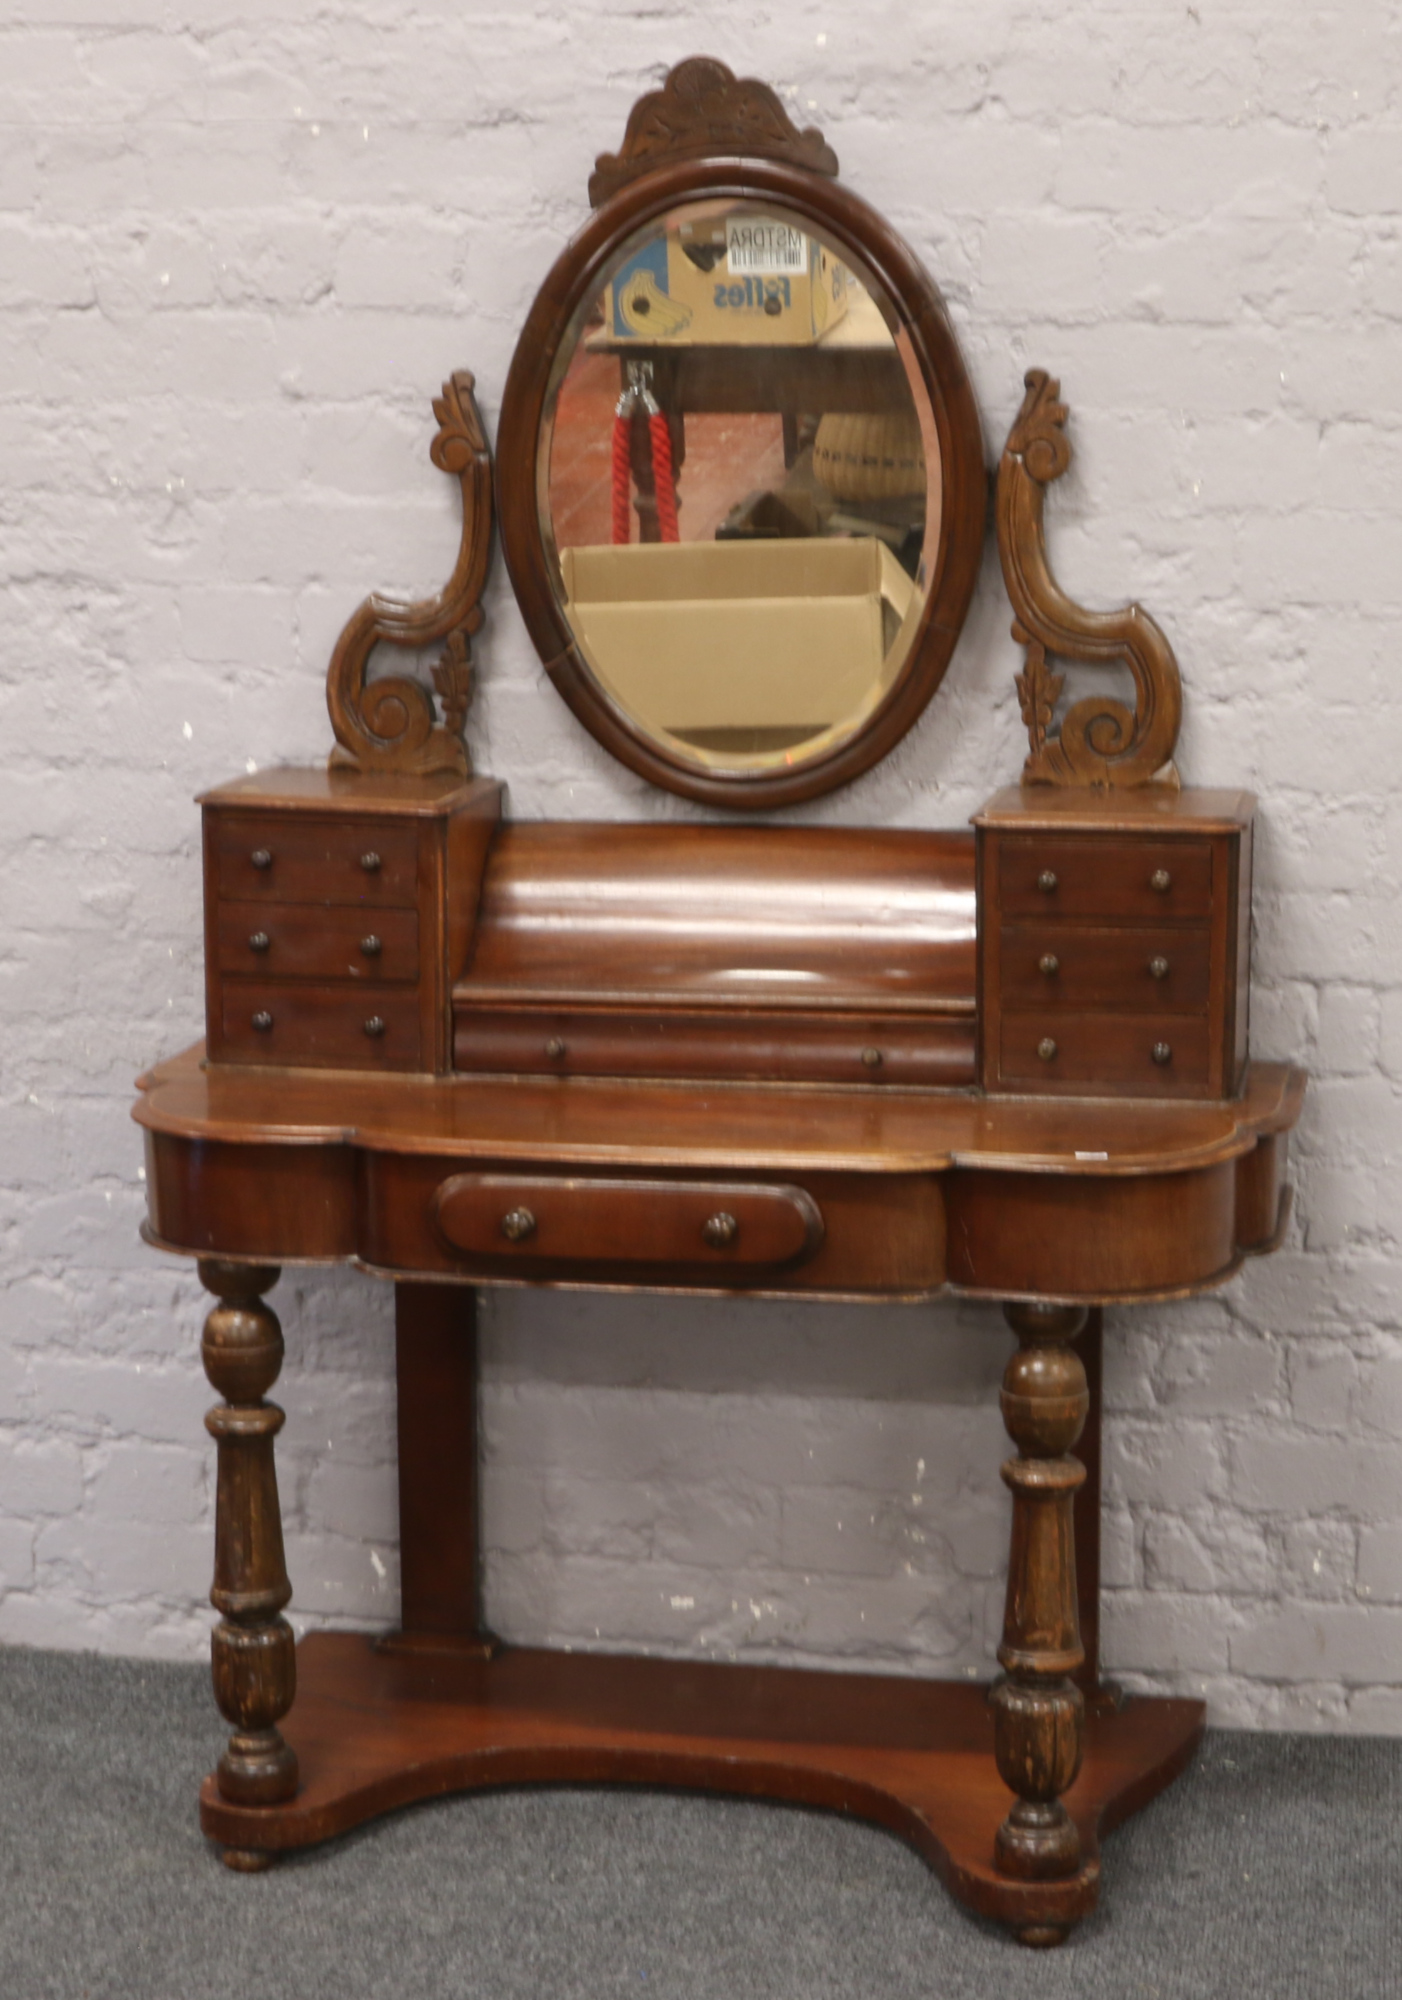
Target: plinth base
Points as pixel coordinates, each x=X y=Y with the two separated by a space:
x=378 y=1729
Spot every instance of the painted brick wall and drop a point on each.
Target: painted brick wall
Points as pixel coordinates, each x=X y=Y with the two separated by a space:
x=240 y=246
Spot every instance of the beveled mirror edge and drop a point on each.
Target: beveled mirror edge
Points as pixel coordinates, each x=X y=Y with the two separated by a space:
x=964 y=479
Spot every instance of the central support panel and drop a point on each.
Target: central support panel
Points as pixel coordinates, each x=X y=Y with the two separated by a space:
x=376 y=1729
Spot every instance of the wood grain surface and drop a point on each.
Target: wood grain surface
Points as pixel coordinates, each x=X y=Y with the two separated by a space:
x=711 y=1124
x=374 y=1730
x=1090 y=1200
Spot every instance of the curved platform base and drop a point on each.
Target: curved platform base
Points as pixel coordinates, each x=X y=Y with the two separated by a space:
x=375 y=1729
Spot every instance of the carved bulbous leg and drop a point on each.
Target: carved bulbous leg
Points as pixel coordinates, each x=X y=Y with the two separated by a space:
x=254 y=1661
x=1038 y=1712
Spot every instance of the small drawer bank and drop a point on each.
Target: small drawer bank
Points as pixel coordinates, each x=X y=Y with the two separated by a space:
x=1114 y=942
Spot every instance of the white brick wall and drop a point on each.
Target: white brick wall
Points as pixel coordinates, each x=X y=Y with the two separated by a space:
x=241 y=244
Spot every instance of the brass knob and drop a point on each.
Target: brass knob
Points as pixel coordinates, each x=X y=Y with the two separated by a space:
x=1158 y=968
x=517 y=1224
x=554 y=1048
x=375 y=1027
x=1049 y=963
x=261 y=857
x=1046 y=1049
x=1046 y=881
x=259 y=941
x=1162 y=1053
x=371 y=946
x=720 y=1231
x=1161 y=881
x=872 y=1058
x=262 y=1020
x=371 y=863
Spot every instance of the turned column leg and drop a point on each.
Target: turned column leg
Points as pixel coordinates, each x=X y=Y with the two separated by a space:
x=1039 y=1712
x=253 y=1656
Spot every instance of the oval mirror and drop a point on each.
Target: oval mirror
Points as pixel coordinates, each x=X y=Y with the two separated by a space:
x=742 y=486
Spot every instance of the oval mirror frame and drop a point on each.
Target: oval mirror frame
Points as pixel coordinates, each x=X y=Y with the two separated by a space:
x=581 y=272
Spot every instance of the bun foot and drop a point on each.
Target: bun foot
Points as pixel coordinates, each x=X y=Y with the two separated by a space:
x=1042 y=1937
x=246 y=1860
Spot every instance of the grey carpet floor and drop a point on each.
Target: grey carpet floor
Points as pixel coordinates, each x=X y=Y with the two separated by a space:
x=1272 y=1871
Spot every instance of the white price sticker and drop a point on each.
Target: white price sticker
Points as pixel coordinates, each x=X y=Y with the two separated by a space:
x=757 y=245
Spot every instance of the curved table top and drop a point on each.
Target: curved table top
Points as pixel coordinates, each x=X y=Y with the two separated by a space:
x=912 y=1192
x=738 y=1127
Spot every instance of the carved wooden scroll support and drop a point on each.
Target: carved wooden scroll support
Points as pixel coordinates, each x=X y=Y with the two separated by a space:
x=388 y=724
x=703 y=111
x=1101 y=741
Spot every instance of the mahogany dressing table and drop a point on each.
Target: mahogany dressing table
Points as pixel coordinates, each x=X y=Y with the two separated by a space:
x=778 y=1060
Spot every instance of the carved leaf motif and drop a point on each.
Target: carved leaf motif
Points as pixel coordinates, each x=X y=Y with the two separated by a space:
x=704 y=110
x=1037 y=691
x=452 y=678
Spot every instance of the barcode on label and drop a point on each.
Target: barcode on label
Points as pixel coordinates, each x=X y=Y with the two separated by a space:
x=757 y=244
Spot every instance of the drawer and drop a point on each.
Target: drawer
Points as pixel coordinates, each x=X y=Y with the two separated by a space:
x=366 y=1027
x=533 y=1217
x=1083 y=965
x=1047 y=1051
x=811 y=1047
x=290 y=858
x=298 y=941
x=1148 y=881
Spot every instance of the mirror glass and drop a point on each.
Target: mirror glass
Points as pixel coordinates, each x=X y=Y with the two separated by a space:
x=739 y=487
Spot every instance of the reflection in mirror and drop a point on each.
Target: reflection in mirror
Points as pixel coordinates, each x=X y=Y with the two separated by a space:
x=740 y=487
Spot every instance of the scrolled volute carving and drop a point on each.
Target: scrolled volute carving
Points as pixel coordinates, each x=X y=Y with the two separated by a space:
x=1101 y=741
x=388 y=724
x=704 y=111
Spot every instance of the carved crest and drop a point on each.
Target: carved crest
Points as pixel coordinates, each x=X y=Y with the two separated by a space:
x=388 y=724
x=1101 y=742
x=703 y=111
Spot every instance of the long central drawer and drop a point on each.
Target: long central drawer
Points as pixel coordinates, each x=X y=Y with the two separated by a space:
x=611 y=1221
x=816 y=1047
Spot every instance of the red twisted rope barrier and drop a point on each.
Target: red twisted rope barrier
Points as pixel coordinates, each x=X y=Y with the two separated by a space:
x=663 y=478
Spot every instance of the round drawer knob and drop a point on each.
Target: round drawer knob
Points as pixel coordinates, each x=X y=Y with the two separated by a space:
x=517 y=1224
x=555 y=1048
x=259 y=941
x=1046 y=1049
x=263 y=1021
x=371 y=863
x=1161 y=881
x=1158 y=968
x=1049 y=963
x=375 y=1027
x=371 y=946
x=1162 y=1054
x=871 y=1058
x=1046 y=881
x=261 y=857
x=720 y=1231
